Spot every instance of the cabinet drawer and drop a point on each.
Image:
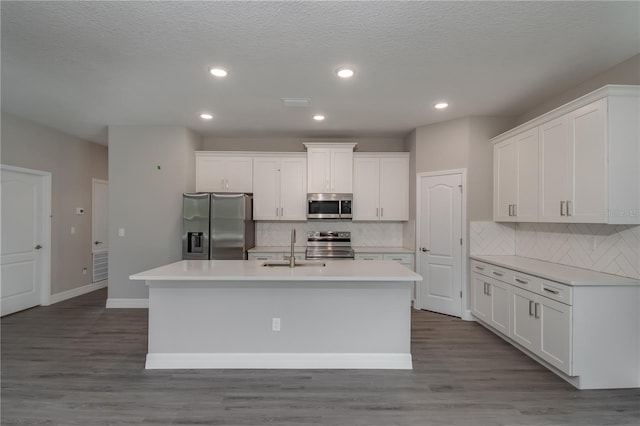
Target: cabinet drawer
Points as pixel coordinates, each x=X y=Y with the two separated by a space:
x=526 y=281
x=480 y=268
x=368 y=256
x=556 y=291
x=405 y=258
x=500 y=274
x=264 y=256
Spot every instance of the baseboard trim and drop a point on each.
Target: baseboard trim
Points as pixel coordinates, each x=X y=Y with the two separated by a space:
x=127 y=303
x=467 y=315
x=384 y=361
x=75 y=292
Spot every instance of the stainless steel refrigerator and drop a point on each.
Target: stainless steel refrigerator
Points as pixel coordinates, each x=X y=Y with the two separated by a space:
x=217 y=226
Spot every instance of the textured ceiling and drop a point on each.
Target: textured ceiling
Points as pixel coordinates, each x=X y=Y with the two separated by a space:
x=81 y=66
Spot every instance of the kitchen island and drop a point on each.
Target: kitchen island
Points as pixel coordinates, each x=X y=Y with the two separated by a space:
x=242 y=314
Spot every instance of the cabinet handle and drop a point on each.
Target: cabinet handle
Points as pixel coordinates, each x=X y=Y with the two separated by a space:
x=562 y=208
x=484 y=291
x=537 y=315
x=488 y=289
x=276 y=211
x=510 y=209
x=515 y=210
x=569 y=208
x=281 y=211
x=498 y=274
x=550 y=291
x=518 y=280
x=479 y=268
x=530 y=308
x=381 y=211
x=377 y=212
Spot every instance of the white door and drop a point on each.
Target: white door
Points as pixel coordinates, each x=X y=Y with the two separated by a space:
x=25 y=251
x=439 y=241
x=99 y=217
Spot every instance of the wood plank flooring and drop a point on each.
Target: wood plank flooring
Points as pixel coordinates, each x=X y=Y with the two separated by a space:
x=77 y=363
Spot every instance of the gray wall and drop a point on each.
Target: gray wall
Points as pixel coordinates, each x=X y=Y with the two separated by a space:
x=73 y=164
x=627 y=72
x=146 y=201
x=295 y=144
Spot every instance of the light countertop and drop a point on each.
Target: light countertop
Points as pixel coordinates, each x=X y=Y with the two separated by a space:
x=252 y=270
x=555 y=272
x=357 y=249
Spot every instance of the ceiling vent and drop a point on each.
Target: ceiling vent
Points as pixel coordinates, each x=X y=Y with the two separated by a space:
x=296 y=102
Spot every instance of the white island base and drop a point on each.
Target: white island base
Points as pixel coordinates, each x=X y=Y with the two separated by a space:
x=326 y=318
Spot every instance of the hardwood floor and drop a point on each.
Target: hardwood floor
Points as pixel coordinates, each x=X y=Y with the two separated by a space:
x=77 y=363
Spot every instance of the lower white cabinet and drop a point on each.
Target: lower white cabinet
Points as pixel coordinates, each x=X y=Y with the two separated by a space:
x=274 y=255
x=588 y=334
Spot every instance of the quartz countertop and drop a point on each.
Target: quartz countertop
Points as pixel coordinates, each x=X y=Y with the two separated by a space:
x=556 y=272
x=252 y=270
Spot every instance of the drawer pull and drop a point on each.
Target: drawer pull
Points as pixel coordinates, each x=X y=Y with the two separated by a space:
x=550 y=291
x=518 y=280
x=479 y=268
x=537 y=314
x=399 y=259
x=498 y=274
x=530 y=308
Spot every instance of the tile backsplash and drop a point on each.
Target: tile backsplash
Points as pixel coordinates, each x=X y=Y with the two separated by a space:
x=613 y=249
x=363 y=234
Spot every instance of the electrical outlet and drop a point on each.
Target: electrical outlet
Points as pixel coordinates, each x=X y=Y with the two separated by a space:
x=275 y=324
x=84 y=271
x=121 y=232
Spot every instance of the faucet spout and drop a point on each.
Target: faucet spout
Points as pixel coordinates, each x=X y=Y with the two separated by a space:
x=292 y=258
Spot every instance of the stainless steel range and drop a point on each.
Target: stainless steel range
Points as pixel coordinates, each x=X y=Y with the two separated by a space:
x=329 y=245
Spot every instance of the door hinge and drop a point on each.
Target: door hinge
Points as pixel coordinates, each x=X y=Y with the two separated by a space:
x=460 y=186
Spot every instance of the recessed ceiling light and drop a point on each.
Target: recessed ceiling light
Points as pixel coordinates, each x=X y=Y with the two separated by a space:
x=441 y=105
x=318 y=117
x=218 y=71
x=345 y=72
x=206 y=116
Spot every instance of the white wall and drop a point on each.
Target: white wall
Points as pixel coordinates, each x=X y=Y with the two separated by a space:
x=73 y=164
x=295 y=144
x=150 y=168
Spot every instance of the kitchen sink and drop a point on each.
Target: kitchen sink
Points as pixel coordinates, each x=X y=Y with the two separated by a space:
x=285 y=263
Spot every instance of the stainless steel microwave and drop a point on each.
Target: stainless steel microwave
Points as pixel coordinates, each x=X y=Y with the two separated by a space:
x=329 y=206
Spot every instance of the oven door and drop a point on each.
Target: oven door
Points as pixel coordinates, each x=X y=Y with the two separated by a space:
x=323 y=209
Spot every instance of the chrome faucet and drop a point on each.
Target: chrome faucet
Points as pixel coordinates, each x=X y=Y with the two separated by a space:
x=292 y=259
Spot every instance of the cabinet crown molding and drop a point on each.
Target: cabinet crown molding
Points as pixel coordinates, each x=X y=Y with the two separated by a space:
x=390 y=154
x=610 y=90
x=330 y=144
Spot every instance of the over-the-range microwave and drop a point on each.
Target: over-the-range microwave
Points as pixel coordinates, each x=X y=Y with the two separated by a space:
x=329 y=206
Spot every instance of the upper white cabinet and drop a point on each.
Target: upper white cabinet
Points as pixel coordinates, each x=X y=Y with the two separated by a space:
x=330 y=167
x=588 y=162
x=515 y=192
x=280 y=187
x=223 y=172
x=381 y=186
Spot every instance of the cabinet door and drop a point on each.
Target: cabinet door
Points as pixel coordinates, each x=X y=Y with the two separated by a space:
x=588 y=129
x=394 y=189
x=239 y=174
x=499 y=293
x=342 y=171
x=293 y=189
x=556 y=167
x=555 y=333
x=266 y=194
x=526 y=203
x=318 y=169
x=480 y=300
x=366 y=189
x=210 y=174
x=525 y=327
x=504 y=180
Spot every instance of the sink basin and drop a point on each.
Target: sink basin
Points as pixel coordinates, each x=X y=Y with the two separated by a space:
x=285 y=263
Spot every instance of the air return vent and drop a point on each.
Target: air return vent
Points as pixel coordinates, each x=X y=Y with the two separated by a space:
x=296 y=102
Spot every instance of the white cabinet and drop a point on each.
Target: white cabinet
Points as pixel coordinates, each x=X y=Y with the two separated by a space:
x=275 y=255
x=588 y=162
x=573 y=330
x=279 y=187
x=543 y=326
x=330 y=167
x=222 y=172
x=381 y=186
x=516 y=178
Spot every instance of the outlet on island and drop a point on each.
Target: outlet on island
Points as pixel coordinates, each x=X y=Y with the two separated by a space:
x=275 y=324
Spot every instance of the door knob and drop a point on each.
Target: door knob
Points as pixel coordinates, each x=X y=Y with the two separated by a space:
x=424 y=249
x=97 y=242
x=38 y=247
